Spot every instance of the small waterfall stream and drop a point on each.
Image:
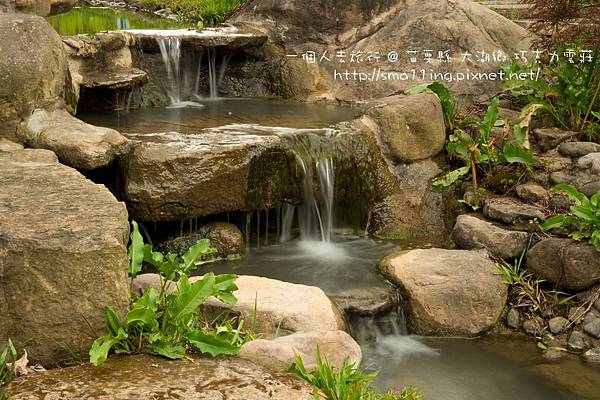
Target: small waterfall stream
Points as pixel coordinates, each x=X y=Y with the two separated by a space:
x=315 y=219
x=183 y=83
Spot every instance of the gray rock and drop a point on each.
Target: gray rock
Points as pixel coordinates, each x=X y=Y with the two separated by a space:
x=591 y=325
x=368 y=301
x=448 y=292
x=76 y=143
x=550 y=138
x=172 y=176
x=273 y=305
x=532 y=193
x=559 y=202
x=577 y=341
x=597 y=304
x=558 y=324
x=376 y=25
x=590 y=188
x=226 y=238
x=552 y=161
x=410 y=128
x=578 y=149
x=565 y=262
x=513 y=318
x=511 y=211
x=412 y=209
x=33 y=73
x=279 y=354
x=473 y=233
x=149 y=377
x=533 y=326
x=592 y=355
x=590 y=161
x=63 y=255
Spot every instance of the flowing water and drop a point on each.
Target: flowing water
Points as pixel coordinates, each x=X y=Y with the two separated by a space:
x=220 y=112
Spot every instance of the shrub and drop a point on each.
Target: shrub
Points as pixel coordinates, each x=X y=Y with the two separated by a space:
x=584 y=221
x=167 y=322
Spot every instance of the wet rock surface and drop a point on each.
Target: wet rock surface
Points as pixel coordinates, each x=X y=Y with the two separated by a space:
x=367 y=301
x=63 y=255
x=147 y=377
x=447 y=292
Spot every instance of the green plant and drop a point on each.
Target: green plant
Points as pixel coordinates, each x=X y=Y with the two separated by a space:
x=167 y=322
x=527 y=291
x=584 y=221
x=8 y=360
x=481 y=155
x=446 y=99
x=347 y=383
x=569 y=92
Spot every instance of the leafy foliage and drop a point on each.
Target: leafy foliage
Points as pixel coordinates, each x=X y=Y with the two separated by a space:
x=584 y=221
x=347 y=383
x=167 y=322
x=8 y=360
x=481 y=154
x=569 y=92
x=527 y=292
x=446 y=99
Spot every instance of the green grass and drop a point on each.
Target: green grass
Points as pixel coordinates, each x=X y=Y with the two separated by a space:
x=209 y=12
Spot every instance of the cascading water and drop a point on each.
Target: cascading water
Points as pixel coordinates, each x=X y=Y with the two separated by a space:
x=184 y=83
x=170 y=50
x=315 y=220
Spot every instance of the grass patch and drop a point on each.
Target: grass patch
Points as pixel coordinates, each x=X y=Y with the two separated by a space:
x=208 y=12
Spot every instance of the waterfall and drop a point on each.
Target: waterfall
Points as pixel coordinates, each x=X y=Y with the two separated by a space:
x=315 y=219
x=170 y=50
x=182 y=81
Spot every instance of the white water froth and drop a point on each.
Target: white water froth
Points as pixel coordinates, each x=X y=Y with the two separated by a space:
x=400 y=346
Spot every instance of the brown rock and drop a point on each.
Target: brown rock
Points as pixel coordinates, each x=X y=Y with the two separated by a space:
x=448 y=292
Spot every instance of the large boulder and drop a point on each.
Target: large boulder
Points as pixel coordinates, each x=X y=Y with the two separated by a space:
x=63 y=255
x=410 y=128
x=564 y=262
x=273 y=305
x=76 y=143
x=279 y=354
x=448 y=292
x=370 y=29
x=171 y=176
x=475 y=233
x=33 y=70
x=147 y=377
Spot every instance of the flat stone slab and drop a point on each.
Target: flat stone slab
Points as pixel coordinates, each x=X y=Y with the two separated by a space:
x=367 y=301
x=148 y=377
x=512 y=211
x=231 y=38
x=115 y=79
x=76 y=143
